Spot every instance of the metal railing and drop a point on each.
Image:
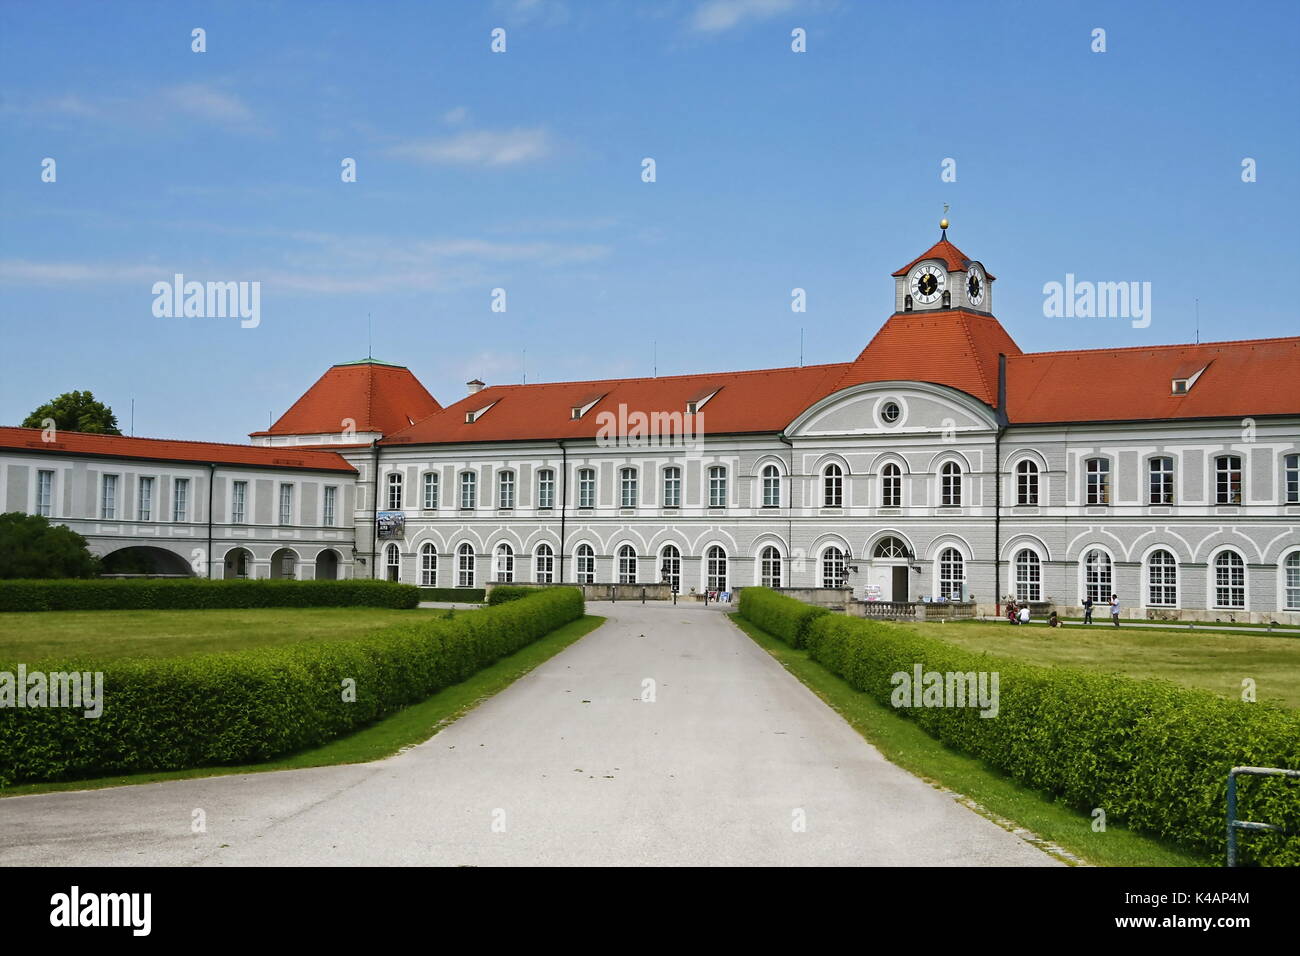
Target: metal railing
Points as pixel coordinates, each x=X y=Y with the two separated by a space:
x=1233 y=823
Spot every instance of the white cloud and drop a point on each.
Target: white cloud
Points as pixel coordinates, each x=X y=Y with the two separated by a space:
x=715 y=16
x=206 y=102
x=478 y=148
x=457 y=115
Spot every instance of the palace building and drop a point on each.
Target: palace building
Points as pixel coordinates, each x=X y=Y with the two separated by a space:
x=940 y=463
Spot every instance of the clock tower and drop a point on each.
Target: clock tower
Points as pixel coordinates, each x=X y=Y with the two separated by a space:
x=943 y=277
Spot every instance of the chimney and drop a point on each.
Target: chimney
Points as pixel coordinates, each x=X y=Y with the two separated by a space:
x=475 y=386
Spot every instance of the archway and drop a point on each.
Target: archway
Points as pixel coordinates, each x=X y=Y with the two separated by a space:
x=239 y=563
x=327 y=565
x=143 y=560
x=284 y=564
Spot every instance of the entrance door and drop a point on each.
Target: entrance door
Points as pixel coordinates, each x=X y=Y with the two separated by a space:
x=900 y=584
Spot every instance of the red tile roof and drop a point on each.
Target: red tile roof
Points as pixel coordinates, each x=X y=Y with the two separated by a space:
x=950 y=347
x=743 y=402
x=954 y=259
x=377 y=396
x=163 y=449
x=1241 y=379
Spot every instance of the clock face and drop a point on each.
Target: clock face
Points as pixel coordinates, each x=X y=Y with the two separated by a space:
x=927 y=283
x=975 y=285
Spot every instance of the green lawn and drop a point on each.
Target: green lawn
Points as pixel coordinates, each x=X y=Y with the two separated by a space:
x=406 y=728
x=1213 y=660
x=38 y=635
x=992 y=792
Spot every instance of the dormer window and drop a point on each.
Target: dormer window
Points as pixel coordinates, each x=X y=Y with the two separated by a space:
x=692 y=408
x=472 y=416
x=1185 y=377
x=576 y=412
x=581 y=408
x=469 y=417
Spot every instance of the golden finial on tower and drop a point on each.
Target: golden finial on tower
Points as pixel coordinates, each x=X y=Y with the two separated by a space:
x=943 y=223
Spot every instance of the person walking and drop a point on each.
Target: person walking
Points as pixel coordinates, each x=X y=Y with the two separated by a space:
x=1114 y=609
x=1087 y=609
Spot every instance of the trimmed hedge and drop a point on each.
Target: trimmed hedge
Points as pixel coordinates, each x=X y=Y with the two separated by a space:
x=159 y=594
x=509 y=592
x=779 y=615
x=246 y=706
x=1154 y=755
x=458 y=595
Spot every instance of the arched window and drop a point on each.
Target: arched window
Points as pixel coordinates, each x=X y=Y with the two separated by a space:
x=1098 y=478
x=428 y=565
x=627 y=488
x=769 y=567
x=544 y=564
x=717 y=486
x=833 y=570
x=771 y=487
x=1162 y=579
x=833 y=487
x=715 y=560
x=468 y=490
x=546 y=488
x=1291 y=582
x=1227 y=481
x=1229 y=580
x=506 y=489
x=395 y=491
x=950 y=485
x=670 y=568
x=891 y=486
x=951 y=574
x=505 y=563
x=672 y=487
x=465 y=566
x=586 y=564
x=1097 y=577
x=392 y=563
x=430 y=491
x=1160 y=487
x=890 y=548
x=627 y=564
x=1027 y=482
x=586 y=487
x=1029 y=576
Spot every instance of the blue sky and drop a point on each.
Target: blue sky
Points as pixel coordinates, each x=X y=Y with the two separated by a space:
x=522 y=170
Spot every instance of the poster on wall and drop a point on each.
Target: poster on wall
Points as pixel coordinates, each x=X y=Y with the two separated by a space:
x=871 y=592
x=391 y=524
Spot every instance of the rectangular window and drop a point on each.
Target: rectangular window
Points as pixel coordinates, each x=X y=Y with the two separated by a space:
x=1098 y=471
x=395 y=492
x=430 y=491
x=239 y=502
x=331 y=502
x=586 y=488
x=108 y=497
x=627 y=488
x=717 y=487
x=181 y=500
x=1292 y=571
x=468 y=490
x=1292 y=479
x=546 y=488
x=144 y=505
x=506 y=490
x=286 y=504
x=672 y=487
x=1161 y=486
x=1227 y=480
x=45 y=493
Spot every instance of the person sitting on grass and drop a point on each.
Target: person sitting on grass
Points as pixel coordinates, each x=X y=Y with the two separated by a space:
x=1013 y=612
x=1053 y=620
x=1024 y=614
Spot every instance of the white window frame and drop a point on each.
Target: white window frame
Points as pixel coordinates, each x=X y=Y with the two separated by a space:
x=1156 y=591
x=506 y=490
x=329 y=506
x=627 y=487
x=586 y=487
x=1216 y=588
x=1161 y=487
x=503 y=563
x=770 y=567
x=1027 y=482
x=428 y=565
x=45 y=493
x=430 y=491
x=585 y=564
x=771 y=482
x=1223 y=480
x=468 y=491
x=673 y=562
x=891 y=485
x=181 y=499
x=950 y=484
x=1027 y=576
x=108 y=497
x=546 y=488
x=544 y=564
x=715 y=568
x=466 y=570
x=286 y=503
x=394 y=491
x=951 y=568
x=717 y=477
x=1096 y=483
x=239 y=502
x=627 y=564
x=832 y=486
x=672 y=486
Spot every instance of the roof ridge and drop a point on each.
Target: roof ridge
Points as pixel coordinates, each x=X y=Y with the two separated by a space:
x=666 y=378
x=182 y=441
x=1293 y=339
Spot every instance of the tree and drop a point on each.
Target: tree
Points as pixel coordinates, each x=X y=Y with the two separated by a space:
x=31 y=547
x=75 y=412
